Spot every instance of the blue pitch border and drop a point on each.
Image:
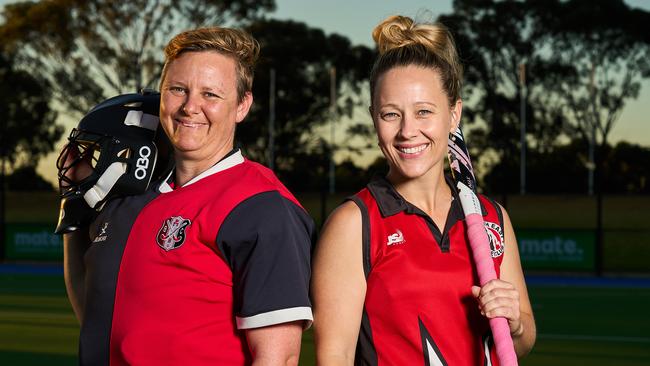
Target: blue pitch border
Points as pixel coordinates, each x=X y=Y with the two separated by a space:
x=32 y=269
x=631 y=282
x=531 y=280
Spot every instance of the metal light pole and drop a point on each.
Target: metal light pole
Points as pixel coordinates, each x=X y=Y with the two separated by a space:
x=271 y=147
x=522 y=116
x=3 y=196
x=591 y=165
x=332 y=175
x=596 y=175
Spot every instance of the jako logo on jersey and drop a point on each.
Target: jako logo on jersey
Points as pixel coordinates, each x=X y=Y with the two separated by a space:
x=102 y=234
x=142 y=163
x=172 y=233
x=397 y=238
x=495 y=233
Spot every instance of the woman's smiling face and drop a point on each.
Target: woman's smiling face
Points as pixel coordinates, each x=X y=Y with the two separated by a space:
x=199 y=105
x=413 y=119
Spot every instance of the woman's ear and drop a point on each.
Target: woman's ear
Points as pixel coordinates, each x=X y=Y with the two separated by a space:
x=244 y=106
x=456 y=113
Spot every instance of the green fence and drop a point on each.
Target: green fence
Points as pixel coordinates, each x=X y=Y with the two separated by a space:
x=540 y=249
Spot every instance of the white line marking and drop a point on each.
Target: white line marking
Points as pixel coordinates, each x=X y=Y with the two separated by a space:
x=582 y=337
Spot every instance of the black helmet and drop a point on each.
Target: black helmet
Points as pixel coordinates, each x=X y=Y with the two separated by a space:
x=117 y=138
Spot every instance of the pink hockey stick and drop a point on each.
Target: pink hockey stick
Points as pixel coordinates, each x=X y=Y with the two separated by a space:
x=463 y=174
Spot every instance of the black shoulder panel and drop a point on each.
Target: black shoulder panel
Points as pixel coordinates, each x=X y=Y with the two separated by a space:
x=108 y=234
x=267 y=242
x=365 y=234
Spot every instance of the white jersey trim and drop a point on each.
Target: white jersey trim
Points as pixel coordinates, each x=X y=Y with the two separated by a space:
x=277 y=317
x=235 y=159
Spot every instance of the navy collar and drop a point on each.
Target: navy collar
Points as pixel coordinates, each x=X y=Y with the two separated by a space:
x=390 y=202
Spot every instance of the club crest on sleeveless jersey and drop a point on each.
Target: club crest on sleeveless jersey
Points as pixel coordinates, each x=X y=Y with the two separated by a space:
x=172 y=233
x=495 y=234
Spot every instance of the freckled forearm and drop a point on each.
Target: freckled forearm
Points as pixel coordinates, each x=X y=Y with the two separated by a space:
x=524 y=339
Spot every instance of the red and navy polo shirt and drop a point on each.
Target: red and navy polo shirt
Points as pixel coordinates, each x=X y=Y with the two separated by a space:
x=175 y=275
x=419 y=309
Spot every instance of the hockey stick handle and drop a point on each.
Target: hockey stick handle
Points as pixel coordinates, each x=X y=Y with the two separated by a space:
x=461 y=167
x=480 y=244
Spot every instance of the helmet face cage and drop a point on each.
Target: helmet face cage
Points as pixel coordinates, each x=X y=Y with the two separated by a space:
x=73 y=154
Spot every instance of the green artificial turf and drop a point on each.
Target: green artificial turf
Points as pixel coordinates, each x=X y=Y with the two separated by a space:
x=576 y=325
x=590 y=326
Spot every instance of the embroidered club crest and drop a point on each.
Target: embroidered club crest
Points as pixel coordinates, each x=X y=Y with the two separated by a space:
x=172 y=233
x=495 y=234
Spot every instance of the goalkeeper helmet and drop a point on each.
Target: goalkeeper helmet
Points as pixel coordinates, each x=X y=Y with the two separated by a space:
x=114 y=145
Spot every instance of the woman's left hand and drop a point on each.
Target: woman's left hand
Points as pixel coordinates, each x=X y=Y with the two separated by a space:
x=499 y=298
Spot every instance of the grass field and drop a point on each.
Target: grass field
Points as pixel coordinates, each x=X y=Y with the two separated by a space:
x=577 y=325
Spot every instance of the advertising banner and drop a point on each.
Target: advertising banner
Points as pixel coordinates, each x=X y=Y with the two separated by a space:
x=32 y=241
x=557 y=249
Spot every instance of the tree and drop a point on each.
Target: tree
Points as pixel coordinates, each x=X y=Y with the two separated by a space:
x=100 y=48
x=28 y=130
x=91 y=49
x=494 y=38
x=561 y=170
x=583 y=59
x=302 y=57
x=628 y=169
x=26 y=178
x=564 y=170
x=607 y=47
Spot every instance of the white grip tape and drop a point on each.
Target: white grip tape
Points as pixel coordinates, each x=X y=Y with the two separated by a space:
x=105 y=183
x=468 y=200
x=141 y=119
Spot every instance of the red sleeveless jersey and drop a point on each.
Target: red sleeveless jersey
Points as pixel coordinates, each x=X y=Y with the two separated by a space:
x=419 y=309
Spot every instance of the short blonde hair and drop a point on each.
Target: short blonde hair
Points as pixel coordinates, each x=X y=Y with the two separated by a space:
x=402 y=42
x=235 y=43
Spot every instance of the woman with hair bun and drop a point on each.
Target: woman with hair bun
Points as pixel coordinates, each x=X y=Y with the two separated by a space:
x=393 y=279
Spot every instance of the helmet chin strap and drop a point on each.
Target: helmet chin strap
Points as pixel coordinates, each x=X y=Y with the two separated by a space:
x=142 y=120
x=114 y=171
x=105 y=183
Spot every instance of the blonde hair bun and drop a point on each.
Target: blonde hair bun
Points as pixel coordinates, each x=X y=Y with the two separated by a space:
x=399 y=31
x=402 y=42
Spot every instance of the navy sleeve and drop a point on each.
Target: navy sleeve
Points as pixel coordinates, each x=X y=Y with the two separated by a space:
x=267 y=241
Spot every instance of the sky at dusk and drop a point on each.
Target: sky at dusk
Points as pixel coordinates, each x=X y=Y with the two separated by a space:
x=356 y=19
